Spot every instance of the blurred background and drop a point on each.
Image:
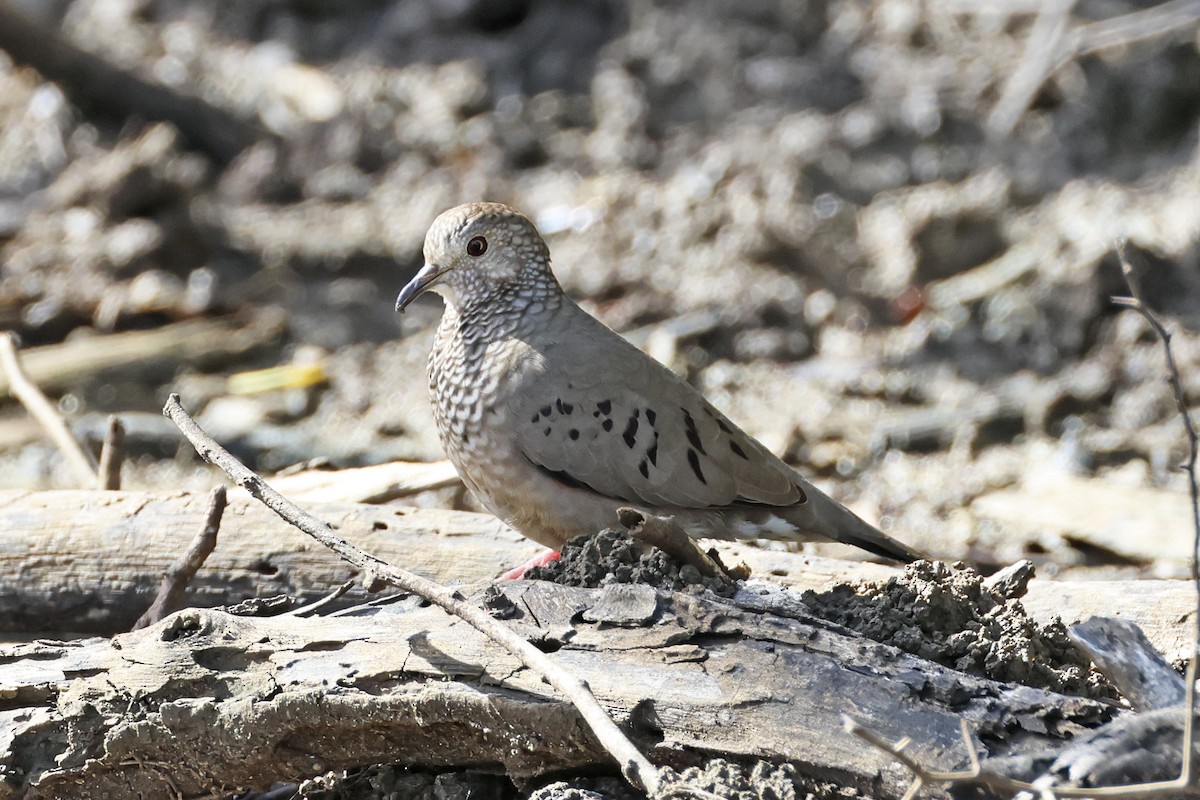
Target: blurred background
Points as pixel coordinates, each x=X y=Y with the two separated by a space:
x=877 y=233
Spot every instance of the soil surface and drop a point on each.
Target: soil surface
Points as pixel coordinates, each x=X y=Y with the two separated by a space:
x=945 y=613
x=948 y=615
x=871 y=232
x=878 y=234
x=613 y=556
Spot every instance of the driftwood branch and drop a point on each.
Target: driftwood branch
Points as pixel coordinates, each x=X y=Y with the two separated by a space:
x=1041 y=50
x=1051 y=46
x=379 y=483
x=634 y=765
x=43 y=411
x=1123 y=653
x=177 y=578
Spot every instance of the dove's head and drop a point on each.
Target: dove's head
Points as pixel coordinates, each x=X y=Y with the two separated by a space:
x=478 y=252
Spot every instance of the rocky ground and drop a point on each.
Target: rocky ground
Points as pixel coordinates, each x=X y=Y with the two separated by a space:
x=878 y=234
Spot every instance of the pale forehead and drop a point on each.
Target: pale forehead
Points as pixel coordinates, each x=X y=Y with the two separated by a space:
x=480 y=218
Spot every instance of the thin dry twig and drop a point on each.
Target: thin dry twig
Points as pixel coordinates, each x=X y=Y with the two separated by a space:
x=636 y=768
x=317 y=605
x=177 y=578
x=1041 y=49
x=1051 y=46
x=1126 y=29
x=921 y=777
x=112 y=456
x=1138 y=304
x=43 y=411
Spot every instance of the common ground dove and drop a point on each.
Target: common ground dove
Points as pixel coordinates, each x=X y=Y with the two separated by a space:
x=554 y=421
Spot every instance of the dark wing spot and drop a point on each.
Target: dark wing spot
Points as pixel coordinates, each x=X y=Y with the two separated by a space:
x=694 y=461
x=652 y=453
x=545 y=411
x=651 y=416
x=569 y=480
x=573 y=433
x=535 y=418
x=563 y=408
x=642 y=468
x=803 y=496
x=630 y=435
x=693 y=433
x=607 y=425
x=565 y=478
x=723 y=426
x=547 y=431
x=738 y=451
x=604 y=407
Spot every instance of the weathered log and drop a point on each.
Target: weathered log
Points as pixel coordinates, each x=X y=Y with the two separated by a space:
x=1140 y=525
x=206 y=701
x=90 y=562
x=1121 y=651
x=377 y=483
x=1134 y=748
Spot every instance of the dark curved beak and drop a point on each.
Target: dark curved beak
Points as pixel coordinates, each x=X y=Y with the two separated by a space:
x=417 y=286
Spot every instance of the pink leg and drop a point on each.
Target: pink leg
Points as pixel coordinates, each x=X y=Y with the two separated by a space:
x=540 y=560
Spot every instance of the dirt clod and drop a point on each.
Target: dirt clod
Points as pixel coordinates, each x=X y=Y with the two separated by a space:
x=613 y=556
x=947 y=614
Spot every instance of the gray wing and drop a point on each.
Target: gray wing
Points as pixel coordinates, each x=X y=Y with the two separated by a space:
x=596 y=412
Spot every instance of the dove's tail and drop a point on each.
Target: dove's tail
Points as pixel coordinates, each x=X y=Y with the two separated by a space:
x=821 y=517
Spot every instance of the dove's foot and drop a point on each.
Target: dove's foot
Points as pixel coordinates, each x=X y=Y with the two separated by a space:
x=540 y=560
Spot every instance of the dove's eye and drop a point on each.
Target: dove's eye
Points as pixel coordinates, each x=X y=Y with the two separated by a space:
x=477 y=247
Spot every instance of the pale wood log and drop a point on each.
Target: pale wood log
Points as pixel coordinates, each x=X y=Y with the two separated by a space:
x=77 y=561
x=206 y=701
x=1138 y=524
x=85 y=561
x=374 y=484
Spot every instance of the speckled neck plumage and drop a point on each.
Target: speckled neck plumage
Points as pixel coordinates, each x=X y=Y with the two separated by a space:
x=477 y=343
